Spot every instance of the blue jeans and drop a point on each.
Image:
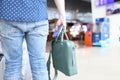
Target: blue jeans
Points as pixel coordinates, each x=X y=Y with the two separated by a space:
x=12 y=34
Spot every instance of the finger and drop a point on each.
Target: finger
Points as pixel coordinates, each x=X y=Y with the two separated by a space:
x=56 y=27
x=64 y=26
x=58 y=23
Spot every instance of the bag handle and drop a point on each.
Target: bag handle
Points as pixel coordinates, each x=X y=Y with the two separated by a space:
x=61 y=36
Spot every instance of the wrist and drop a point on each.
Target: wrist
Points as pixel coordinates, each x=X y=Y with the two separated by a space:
x=62 y=16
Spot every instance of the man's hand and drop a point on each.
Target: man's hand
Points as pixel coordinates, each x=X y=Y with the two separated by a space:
x=61 y=21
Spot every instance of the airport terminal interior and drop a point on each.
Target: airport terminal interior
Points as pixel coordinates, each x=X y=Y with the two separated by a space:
x=94 y=27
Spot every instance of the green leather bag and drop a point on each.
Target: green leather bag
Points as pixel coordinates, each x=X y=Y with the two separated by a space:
x=63 y=56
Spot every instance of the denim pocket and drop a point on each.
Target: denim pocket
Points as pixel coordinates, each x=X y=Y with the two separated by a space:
x=40 y=28
x=42 y=31
x=7 y=29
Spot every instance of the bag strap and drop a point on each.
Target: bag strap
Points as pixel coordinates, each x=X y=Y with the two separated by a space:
x=48 y=67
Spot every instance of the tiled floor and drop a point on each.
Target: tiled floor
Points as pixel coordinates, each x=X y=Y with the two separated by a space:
x=94 y=63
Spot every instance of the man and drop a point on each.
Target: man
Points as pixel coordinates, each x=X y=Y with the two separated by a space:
x=26 y=19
